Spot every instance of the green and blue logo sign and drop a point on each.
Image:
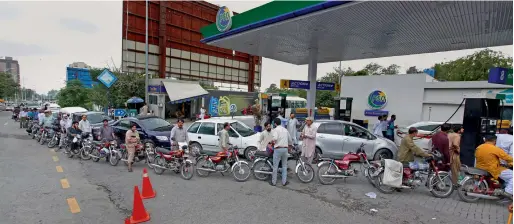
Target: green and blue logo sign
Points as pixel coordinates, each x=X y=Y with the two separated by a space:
x=224 y=19
x=377 y=100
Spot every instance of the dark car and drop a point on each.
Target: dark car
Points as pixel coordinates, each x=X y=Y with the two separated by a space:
x=152 y=129
x=95 y=120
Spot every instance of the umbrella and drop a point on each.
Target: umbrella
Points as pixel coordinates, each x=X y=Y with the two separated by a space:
x=135 y=100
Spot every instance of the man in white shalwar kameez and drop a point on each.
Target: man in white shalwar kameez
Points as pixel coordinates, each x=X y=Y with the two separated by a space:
x=291 y=128
x=308 y=136
x=377 y=127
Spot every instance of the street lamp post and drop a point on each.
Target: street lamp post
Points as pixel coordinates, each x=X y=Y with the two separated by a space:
x=146 y=53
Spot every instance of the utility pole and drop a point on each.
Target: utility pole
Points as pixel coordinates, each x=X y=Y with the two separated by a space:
x=146 y=53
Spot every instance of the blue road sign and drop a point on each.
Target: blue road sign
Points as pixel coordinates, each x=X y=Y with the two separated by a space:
x=107 y=78
x=298 y=84
x=325 y=86
x=120 y=112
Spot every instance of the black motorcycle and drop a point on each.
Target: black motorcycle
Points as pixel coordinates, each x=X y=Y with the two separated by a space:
x=55 y=136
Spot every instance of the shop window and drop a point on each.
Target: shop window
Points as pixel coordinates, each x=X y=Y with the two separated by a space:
x=152 y=99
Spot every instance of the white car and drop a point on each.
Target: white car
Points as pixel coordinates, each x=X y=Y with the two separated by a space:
x=425 y=131
x=203 y=135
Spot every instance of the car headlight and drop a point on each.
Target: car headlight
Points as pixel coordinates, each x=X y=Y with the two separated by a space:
x=161 y=138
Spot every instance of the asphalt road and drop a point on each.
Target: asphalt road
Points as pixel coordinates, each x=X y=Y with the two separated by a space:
x=32 y=192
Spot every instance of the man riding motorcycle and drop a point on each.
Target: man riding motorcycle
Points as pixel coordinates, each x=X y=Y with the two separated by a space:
x=72 y=132
x=408 y=149
x=488 y=158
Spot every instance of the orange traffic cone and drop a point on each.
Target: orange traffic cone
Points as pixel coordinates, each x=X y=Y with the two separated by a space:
x=148 y=191
x=139 y=213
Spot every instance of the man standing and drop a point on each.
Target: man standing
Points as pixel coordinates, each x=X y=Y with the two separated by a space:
x=84 y=124
x=282 y=141
x=224 y=137
x=391 y=127
x=266 y=138
x=143 y=110
x=131 y=141
x=383 y=124
x=504 y=141
x=454 y=139
x=291 y=128
x=488 y=157
x=41 y=115
x=308 y=136
x=107 y=132
x=377 y=127
x=23 y=117
x=408 y=149
x=441 y=142
x=178 y=134
x=62 y=124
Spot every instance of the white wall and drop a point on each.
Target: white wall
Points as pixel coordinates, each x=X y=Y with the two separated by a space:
x=404 y=95
x=442 y=112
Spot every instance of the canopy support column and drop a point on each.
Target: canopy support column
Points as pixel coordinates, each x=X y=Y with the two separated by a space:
x=311 y=93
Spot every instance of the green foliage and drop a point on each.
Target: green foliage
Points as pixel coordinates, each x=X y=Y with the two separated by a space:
x=413 y=70
x=473 y=67
x=208 y=86
x=74 y=95
x=8 y=86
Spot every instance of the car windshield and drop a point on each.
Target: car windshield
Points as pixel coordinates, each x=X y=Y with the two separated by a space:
x=242 y=129
x=95 y=118
x=156 y=123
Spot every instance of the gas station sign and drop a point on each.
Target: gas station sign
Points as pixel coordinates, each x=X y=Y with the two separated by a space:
x=500 y=75
x=299 y=84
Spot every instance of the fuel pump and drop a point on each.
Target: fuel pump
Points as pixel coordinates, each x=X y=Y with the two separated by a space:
x=343 y=108
x=274 y=110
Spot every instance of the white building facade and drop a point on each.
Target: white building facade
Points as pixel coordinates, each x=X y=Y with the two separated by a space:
x=412 y=97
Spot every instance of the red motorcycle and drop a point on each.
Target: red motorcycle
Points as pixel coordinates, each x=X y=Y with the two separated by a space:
x=175 y=160
x=479 y=184
x=331 y=169
x=438 y=181
x=223 y=162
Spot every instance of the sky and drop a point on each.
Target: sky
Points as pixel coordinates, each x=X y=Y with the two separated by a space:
x=45 y=37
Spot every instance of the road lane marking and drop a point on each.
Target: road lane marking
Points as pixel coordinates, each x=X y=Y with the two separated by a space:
x=6 y=123
x=65 y=184
x=59 y=169
x=55 y=158
x=74 y=206
x=52 y=151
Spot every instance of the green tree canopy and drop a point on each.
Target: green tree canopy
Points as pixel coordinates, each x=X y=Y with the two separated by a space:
x=74 y=95
x=8 y=86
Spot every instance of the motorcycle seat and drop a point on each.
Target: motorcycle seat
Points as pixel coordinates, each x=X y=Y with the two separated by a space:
x=163 y=150
x=476 y=171
x=263 y=154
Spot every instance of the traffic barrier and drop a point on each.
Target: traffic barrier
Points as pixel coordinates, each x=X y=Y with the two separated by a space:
x=139 y=213
x=148 y=191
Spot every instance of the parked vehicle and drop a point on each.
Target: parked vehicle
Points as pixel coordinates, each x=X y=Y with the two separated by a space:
x=336 y=138
x=479 y=184
x=174 y=160
x=84 y=141
x=95 y=120
x=330 y=169
x=102 y=150
x=55 y=136
x=438 y=181
x=262 y=167
x=203 y=135
x=425 y=131
x=153 y=131
x=223 y=162
x=141 y=154
x=43 y=137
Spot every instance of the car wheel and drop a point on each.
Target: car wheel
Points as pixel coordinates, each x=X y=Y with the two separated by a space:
x=249 y=152
x=383 y=154
x=317 y=156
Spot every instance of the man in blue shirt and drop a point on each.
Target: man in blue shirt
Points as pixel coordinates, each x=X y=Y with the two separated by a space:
x=390 y=128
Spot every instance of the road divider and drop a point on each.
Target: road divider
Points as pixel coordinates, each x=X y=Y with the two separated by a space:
x=65 y=184
x=74 y=205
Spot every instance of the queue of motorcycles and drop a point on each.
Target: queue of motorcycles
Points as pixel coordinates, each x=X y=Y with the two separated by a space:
x=477 y=184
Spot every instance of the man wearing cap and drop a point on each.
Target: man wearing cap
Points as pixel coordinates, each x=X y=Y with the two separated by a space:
x=308 y=136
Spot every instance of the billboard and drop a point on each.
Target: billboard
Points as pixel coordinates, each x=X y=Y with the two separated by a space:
x=224 y=103
x=81 y=74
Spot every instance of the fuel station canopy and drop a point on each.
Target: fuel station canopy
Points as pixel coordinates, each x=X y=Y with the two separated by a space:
x=289 y=31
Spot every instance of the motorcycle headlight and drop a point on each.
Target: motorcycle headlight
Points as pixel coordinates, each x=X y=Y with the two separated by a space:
x=161 y=138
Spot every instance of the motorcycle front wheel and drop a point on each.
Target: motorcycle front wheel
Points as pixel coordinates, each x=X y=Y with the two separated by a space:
x=262 y=165
x=114 y=158
x=52 y=142
x=159 y=162
x=469 y=185
x=241 y=172
x=202 y=163
x=96 y=153
x=85 y=154
x=368 y=172
x=187 y=170
x=68 y=151
x=305 y=173
x=441 y=184
x=42 y=139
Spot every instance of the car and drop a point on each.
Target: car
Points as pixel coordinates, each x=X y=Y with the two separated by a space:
x=152 y=129
x=9 y=107
x=204 y=137
x=3 y=107
x=336 y=138
x=425 y=131
x=95 y=120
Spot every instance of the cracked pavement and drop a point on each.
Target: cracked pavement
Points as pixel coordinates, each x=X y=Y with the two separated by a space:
x=31 y=193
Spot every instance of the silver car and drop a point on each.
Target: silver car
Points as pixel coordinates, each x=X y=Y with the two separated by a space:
x=336 y=138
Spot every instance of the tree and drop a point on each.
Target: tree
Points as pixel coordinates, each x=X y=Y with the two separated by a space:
x=473 y=67
x=373 y=68
x=413 y=70
x=8 y=87
x=392 y=69
x=74 y=95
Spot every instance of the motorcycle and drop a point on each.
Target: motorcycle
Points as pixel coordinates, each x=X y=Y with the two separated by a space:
x=331 y=169
x=87 y=146
x=174 y=160
x=479 y=184
x=263 y=166
x=102 y=150
x=78 y=139
x=223 y=162
x=141 y=154
x=55 y=137
x=43 y=136
x=35 y=130
x=414 y=173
